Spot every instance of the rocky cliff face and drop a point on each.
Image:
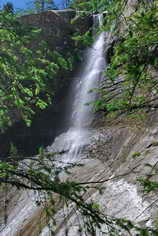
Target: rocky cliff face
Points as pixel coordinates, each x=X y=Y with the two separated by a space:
x=56 y=27
x=117 y=156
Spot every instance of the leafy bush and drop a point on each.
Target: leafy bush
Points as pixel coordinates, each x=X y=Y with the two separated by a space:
x=27 y=69
x=131 y=83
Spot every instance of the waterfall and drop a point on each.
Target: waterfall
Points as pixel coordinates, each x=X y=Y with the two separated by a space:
x=83 y=88
x=82 y=115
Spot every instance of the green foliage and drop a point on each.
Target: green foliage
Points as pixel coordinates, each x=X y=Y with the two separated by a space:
x=90 y=6
x=130 y=83
x=8 y=7
x=148 y=185
x=27 y=70
x=42 y=5
x=83 y=40
x=149 y=181
x=155 y=143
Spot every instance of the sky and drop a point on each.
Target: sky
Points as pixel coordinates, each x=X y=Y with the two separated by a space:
x=23 y=4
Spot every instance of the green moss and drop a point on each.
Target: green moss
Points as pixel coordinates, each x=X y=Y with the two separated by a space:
x=155 y=143
x=156 y=223
x=136 y=154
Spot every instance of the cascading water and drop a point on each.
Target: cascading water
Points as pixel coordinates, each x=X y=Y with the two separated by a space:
x=81 y=115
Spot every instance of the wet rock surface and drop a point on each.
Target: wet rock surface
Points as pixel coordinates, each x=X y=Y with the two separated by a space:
x=111 y=156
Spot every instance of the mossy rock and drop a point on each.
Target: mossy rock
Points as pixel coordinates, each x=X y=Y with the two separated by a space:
x=136 y=154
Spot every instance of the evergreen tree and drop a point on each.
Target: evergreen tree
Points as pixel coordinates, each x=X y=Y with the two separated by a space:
x=42 y=5
x=8 y=7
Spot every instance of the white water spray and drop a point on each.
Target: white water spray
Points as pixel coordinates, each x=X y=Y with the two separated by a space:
x=81 y=115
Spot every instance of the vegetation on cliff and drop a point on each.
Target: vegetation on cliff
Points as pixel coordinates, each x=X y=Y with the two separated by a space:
x=131 y=82
x=42 y=5
x=27 y=71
